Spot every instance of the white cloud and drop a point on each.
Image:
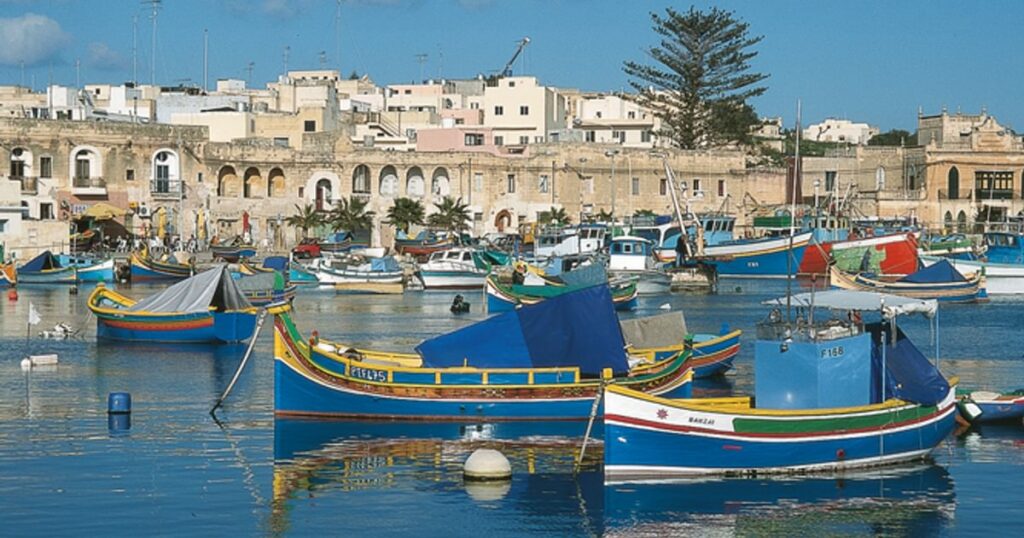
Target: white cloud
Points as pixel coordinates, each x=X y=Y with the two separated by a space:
x=101 y=56
x=30 y=38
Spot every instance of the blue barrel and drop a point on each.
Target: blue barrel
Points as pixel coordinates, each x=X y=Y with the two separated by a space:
x=119 y=403
x=119 y=423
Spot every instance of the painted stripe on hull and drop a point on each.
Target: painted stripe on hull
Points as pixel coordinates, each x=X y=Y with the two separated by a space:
x=773 y=264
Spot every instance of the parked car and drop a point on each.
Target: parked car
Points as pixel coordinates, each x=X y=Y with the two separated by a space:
x=307 y=248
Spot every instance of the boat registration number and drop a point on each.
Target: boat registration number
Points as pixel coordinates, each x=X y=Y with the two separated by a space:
x=832 y=352
x=370 y=375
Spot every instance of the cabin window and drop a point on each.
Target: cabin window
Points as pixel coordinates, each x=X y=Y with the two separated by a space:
x=627 y=248
x=467 y=257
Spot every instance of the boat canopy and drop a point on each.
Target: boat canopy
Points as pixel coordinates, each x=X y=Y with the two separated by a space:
x=592 y=274
x=575 y=329
x=937 y=273
x=662 y=330
x=212 y=288
x=909 y=375
x=43 y=262
x=272 y=281
x=893 y=305
x=277 y=263
x=386 y=264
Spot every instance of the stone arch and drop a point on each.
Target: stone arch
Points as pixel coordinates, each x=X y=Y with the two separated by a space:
x=361 y=180
x=947 y=220
x=21 y=162
x=439 y=184
x=503 y=220
x=326 y=196
x=388 y=182
x=228 y=184
x=276 y=183
x=414 y=183
x=252 y=183
x=86 y=163
x=961 y=221
x=953 y=183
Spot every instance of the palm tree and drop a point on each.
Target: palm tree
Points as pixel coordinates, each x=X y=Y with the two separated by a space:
x=644 y=213
x=404 y=213
x=555 y=215
x=452 y=215
x=604 y=216
x=306 y=217
x=350 y=214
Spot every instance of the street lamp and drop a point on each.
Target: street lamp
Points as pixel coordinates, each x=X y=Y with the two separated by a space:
x=817 y=183
x=611 y=155
x=583 y=179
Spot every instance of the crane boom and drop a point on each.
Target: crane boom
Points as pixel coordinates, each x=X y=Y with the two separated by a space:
x=507 y=70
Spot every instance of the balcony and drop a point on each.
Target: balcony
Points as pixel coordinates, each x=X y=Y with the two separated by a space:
x=165 y=189
x=29 y=185
x=89 y=186
x=966 y=195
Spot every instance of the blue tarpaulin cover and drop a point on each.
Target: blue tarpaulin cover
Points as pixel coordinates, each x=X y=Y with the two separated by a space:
x=277 y=263
x=941 y=271
x=385 y=265
x=909 y=375
x=42 y=262
x=579 y=328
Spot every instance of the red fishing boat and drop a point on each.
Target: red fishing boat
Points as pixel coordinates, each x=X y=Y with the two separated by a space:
x=890 y=254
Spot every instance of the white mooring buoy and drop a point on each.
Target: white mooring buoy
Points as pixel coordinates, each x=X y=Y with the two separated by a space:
x=487 y=464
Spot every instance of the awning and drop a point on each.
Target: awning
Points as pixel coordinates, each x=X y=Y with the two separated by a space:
x=892 y=305
x=103 y=211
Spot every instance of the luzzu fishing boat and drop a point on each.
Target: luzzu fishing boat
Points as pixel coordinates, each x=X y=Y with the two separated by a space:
x=940 y=281
x=423 y=245
x=46 y=268
x=891 y=254
x=296 y=274
x=540 y=362
x=233 y=252
x=1003 y=262
x=265 y=288
x=144 y=267
x=656 y=338
x=206 y=308
x=89 y=269
x=503 y=295
x=357 y=270
x=831 y=395
x=992 y=406
x=767 y=257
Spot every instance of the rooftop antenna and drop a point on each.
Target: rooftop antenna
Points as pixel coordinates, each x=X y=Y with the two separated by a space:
x=135 y=49
x=154 y=6
x=287 y=51
x=23 y=73
x=323 y=58
x=421 y=59
x=206 y=60
x=248 y=71
x=78 y=73
x=337 y=35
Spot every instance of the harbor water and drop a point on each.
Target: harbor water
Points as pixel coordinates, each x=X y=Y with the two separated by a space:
x=170 y=468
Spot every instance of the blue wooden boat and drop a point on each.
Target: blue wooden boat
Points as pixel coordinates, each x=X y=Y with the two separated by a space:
x=656 y=338
x=234 y=252
x=296 y=273
x=143 y=267
x=47 y=268
x=940 y=281
x=832 y=394
x=993 y=406
x=503 y=295
x=540 y=362
x=266 y=288
x=768 y=257
x=208 y=307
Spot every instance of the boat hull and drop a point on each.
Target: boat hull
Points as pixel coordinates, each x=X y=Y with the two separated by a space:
x=186 y=328
x=144 y=268
x=651 y=437
x=894 y=254
x=452 y=280
x=972 y=290
x=712 y=354
x=765 y=258
x=1000 y=278
x=648 y=282
x=503 y=299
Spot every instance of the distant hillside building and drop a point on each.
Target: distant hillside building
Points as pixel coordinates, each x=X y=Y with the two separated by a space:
x=835 y=130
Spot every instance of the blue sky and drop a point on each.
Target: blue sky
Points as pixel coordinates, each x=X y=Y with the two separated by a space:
x=873 y=61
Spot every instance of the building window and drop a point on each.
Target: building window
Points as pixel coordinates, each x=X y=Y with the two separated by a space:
x=3 y=225
x=478 y=216
x=46 y=167
x=721 y=187
x=474 y=106
x=474 y=139
x=82 y=164
x=543 y=183
x=645 y=136
x=309 y=126
x=199 y=177
x=663 y=187
x=590 y=136
x=360 y=180
x=636 y=186
x=282 y=141
x=17 y=168
x=696 y=186
x=499 y=110
x=538 y=140
x=524 y=140
x=830 y=180
x=619 y=135
x=302 y=190
x=588 y=184
x=953 y=183
x=499 y=141
x=524 y=110
x=45 y=211
x=993 y=185
x=129 y=174
x=511 y=183
x=631 y=115
x=408 y=92
x=478 y=181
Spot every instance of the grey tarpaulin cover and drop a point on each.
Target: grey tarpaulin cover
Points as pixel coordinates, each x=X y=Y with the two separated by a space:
x=261 y=282
x=213 y=287
x=663 y=330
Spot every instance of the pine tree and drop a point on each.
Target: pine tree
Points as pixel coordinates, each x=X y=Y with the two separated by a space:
x=701 y=81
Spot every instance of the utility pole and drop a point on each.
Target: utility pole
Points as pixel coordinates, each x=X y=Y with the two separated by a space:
x=248 y=70
x=421 y=59
x=78 y=73
x=287 y=51
x=337 y=36
x=206 y=60
x=135 y=49
x=154 y=6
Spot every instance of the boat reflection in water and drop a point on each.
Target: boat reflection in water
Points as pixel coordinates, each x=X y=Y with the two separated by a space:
x=913 y=501
x=360 y=468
